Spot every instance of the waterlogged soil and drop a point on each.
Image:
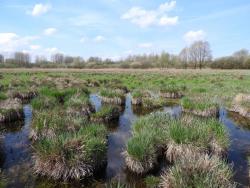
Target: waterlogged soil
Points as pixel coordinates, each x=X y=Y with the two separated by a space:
x=16 y=152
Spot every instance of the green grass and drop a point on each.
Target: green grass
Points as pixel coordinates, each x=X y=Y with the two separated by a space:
x=44 y=102
x=105 y=111
x=153 y=102
x=158 y=130
x=165 y=88
x=110 y=93
x=61 y=95
x=148 y=135
x=152 y=181
x=138 y=93
x=3 y=96
x=197 y=104
x=197 y=132
x=222 y=84
x=87 y=145
x=78 y=101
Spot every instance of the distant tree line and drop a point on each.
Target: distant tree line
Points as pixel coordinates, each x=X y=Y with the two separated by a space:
x=198 y=55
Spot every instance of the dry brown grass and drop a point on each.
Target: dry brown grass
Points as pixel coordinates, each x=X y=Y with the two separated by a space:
x=118 y=70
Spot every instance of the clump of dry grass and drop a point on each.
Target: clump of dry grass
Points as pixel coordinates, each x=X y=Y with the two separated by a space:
x=197 y=134
x=71 y=156
x=11 y=110
x=171 y=91
x=48 y=124
x=111 y=96
x=24 y=96
x=194 y=169
x=241 y=105
x=79 y=105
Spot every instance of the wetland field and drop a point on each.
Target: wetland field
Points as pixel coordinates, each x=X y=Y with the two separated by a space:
x=122 y=128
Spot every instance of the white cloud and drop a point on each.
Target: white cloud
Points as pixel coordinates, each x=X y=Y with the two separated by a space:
x=6 y=38
x=145 y=45
x=10 y=42
x=168 y=20
x=52 y=50
x=193 y=36
x=168 y=6
x=35 y=47
x=40 y=9
x=146 y=18
x=50 y=31
x=99 y=38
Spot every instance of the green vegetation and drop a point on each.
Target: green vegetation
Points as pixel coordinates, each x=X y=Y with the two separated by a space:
x=79 y=105
x=164 y=88
x=109 y=93
x=152 y=181
x=68 y=146
x=158 y=131
x=2 y=96
x=137 y=93
x=198 y=104
x=71 y=155
x=106 y=114
x=44 y=102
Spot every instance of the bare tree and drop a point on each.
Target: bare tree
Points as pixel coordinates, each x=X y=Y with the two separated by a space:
x=200 y=53
x=164 y=59
x=184 y=56
x=41 y=59
x=241 y=55
x=21 y=58
x=68 y=59
x=57 y=58
x=1 y=59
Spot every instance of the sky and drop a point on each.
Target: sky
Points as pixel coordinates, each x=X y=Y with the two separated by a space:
x=118 y=28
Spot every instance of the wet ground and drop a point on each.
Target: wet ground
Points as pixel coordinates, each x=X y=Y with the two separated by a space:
x=16 y=160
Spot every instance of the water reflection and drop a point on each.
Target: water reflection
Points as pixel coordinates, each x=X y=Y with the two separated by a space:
x=239 y=147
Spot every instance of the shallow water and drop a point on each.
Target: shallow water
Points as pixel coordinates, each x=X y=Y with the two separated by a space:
x=16 y=161
x=239 y=148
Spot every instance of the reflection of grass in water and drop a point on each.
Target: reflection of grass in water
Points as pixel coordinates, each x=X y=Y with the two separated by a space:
x=12 y=127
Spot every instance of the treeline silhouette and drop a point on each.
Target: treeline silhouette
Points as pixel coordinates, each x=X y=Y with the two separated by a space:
x=197 y=55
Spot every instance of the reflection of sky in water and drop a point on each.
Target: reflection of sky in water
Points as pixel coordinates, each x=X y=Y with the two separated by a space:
x=240 y=146
x=16 y=155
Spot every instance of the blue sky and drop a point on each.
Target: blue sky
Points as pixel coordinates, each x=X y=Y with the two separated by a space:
x=117 y=28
